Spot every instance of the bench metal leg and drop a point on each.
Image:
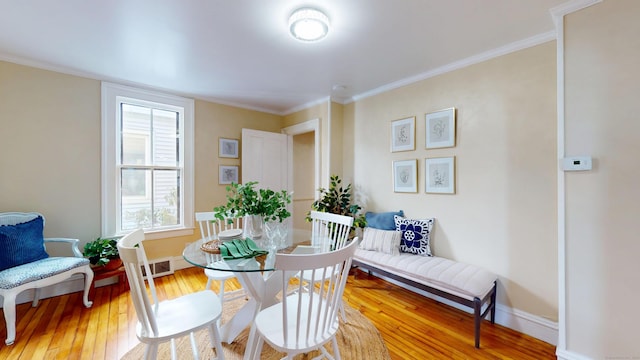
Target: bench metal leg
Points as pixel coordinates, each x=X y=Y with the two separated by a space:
x=477 y=319
x=493 y=303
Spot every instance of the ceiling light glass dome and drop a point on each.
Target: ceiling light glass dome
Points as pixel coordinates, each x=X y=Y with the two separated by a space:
x=308 y=24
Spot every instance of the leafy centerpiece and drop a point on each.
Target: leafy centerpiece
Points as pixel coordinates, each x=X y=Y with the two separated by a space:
x=255 y=206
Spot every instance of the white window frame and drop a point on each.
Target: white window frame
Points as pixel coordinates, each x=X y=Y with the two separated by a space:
x=112 y=96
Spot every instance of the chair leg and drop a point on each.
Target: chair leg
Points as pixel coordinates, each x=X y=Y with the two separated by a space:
x=194 y=346
x=88 y=280
x=9 y=308
x=258 y=349
x=221 y=292
x=216 y=342
x=151 y=351
x=255 y=341
x=174 y=354
x=342 y=312
x=36 y=297
x=336 y=350
x=326 y=354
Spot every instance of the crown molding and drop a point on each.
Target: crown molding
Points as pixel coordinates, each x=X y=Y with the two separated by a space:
x=572 y=6
x=306 y=105
x=513 y=47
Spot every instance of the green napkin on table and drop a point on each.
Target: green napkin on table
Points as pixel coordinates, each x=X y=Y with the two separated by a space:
x=240 y=249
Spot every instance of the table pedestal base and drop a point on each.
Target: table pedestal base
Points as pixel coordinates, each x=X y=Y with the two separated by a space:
x=263 y=291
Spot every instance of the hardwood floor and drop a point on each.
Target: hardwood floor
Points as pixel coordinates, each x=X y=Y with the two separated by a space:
x=414 y=327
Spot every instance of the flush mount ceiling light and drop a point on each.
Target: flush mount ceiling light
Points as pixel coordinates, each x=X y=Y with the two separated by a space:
x=307 y=24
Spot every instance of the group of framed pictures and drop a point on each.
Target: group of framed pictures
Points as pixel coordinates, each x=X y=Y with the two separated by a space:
x=440 y=132
x=228 y=148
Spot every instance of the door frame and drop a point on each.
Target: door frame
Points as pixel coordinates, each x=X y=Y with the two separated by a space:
x=305 y=127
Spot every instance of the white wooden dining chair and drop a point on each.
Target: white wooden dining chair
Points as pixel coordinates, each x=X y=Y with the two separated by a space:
x=167 y=320
x=306 y=320
x=329 y=232
x=210 y=227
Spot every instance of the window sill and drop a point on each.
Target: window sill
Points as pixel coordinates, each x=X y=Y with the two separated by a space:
x=164 y=234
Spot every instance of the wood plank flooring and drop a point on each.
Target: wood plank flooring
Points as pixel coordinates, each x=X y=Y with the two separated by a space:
x=413 y=327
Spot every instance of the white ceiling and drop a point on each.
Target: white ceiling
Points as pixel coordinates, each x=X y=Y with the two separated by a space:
x=239 y=52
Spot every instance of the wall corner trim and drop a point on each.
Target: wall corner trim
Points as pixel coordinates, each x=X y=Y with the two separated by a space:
x=571 y=6
x=558 y=13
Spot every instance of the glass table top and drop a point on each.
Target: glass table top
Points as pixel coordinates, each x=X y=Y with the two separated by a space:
x=194 y=255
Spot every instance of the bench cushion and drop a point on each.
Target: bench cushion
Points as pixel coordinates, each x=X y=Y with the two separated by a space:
x=463 y=280
x=37 y=270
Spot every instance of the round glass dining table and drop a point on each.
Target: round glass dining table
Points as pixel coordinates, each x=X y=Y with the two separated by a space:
x=257 y=275
x=194 y=255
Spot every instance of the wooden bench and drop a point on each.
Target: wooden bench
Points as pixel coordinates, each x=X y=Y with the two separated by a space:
x=464 y=284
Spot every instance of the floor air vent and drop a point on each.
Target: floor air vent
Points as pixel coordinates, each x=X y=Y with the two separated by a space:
x=160 y=267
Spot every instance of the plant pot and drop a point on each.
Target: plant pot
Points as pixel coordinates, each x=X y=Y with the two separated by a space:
x=253 y=225
x=111 y=265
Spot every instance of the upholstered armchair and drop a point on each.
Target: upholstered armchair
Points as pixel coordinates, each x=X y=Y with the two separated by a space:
x=25 y=264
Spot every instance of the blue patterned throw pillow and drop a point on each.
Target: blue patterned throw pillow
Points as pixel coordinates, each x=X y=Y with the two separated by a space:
x=415 y=235
x=21 y=243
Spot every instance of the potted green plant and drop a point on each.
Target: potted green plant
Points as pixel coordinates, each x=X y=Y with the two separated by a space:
x=103 y=253
x=337 y=200
x=254 y=205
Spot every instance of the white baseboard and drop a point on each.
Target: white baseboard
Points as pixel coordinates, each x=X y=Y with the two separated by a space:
x=535 y=326
x=568 y=355
x=532 y=325
x=180 y=263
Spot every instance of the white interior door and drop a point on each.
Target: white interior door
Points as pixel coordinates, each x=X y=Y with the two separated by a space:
x=265 y=159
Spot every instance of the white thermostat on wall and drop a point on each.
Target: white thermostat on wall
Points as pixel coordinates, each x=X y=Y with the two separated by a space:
x=576 y=163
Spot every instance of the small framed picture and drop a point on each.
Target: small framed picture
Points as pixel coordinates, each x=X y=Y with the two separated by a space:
x=403 y=134
x=228 y=174
x=440 y=129
x=228 y=148
x=405 y=176
x=440 y=175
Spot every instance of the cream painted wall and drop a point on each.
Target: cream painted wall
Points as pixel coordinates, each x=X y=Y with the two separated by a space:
x=320 y=111
x=602 y=49
x=50 y=141
x=303 y=178
x=336 y=154
x=50 y=145
x=503 y=215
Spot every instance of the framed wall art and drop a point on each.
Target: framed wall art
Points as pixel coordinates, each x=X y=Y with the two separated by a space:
x=440 y=129
x=228 y=174
x=405 y=176
x=440 y=175
x=403 y=134
x=228 y=148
